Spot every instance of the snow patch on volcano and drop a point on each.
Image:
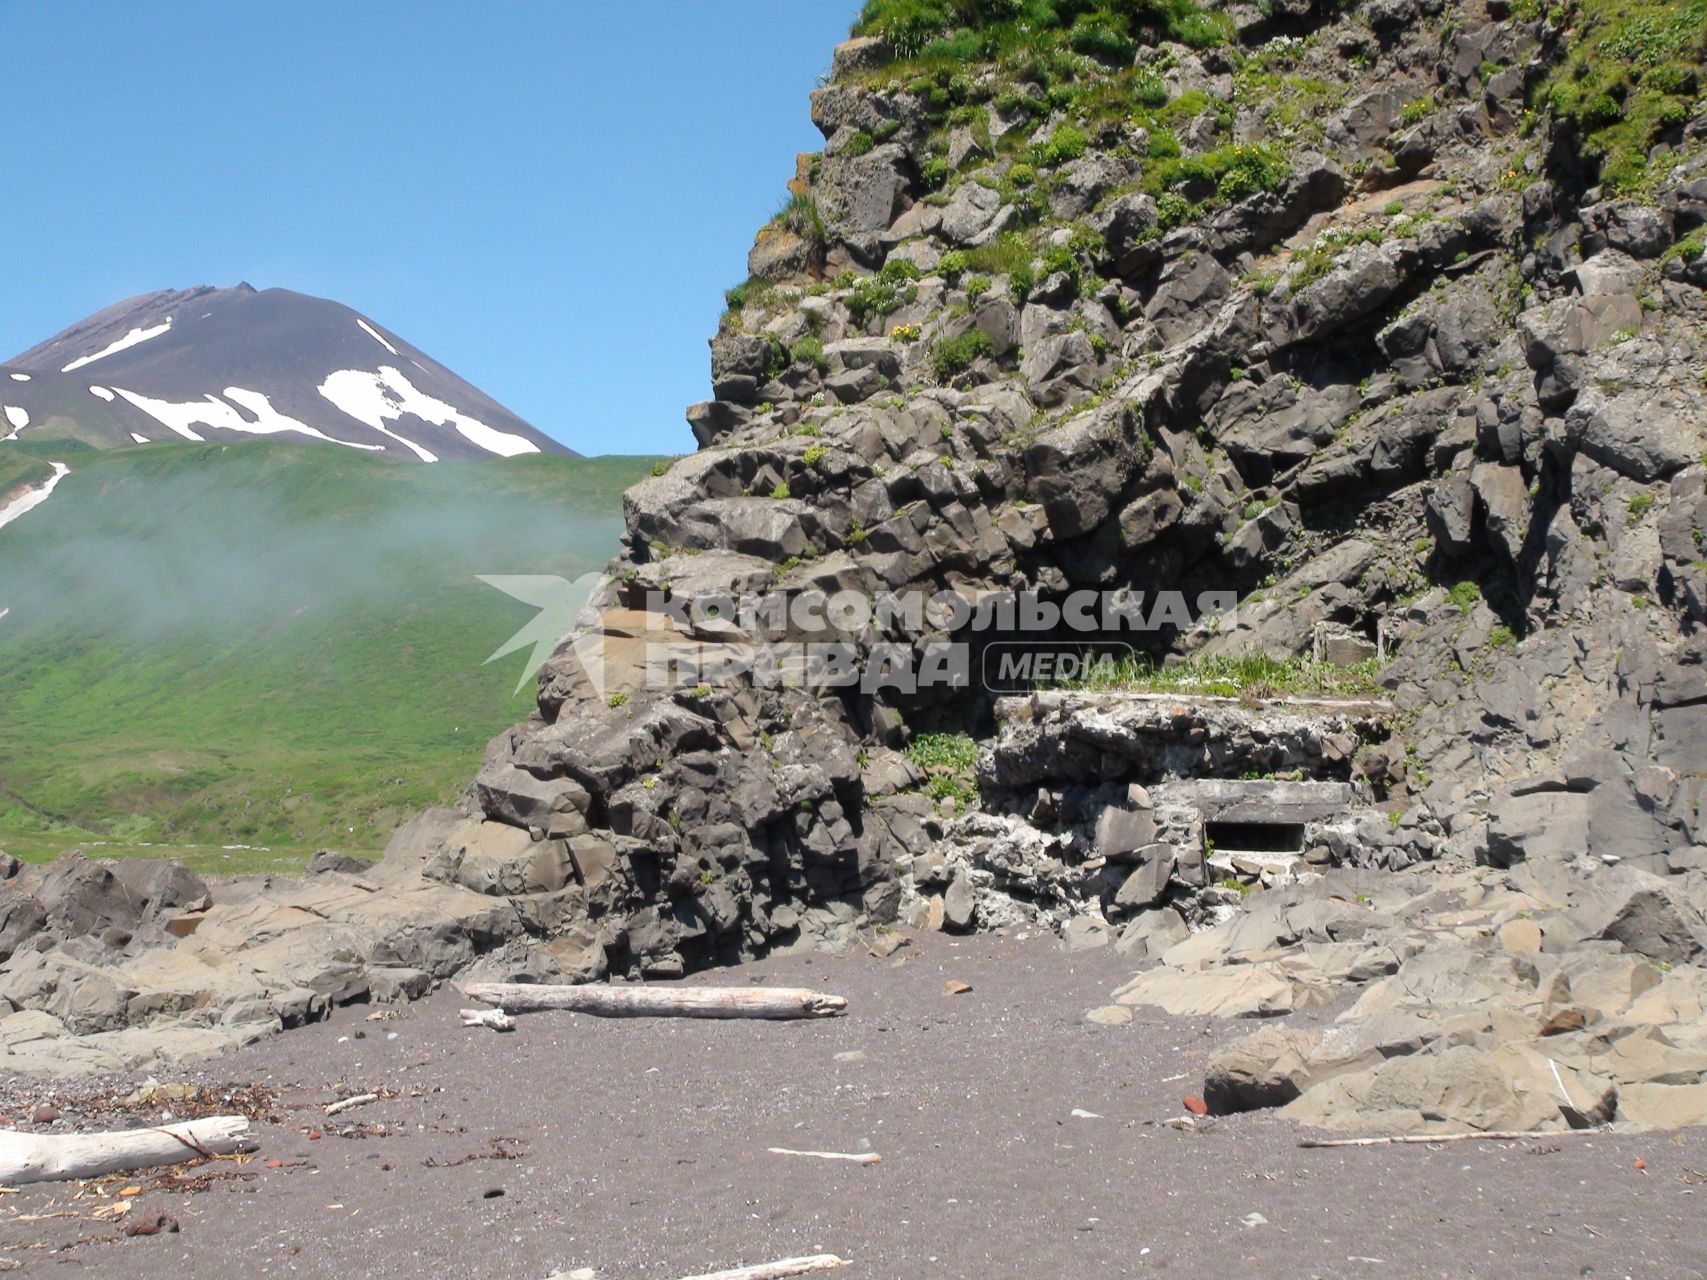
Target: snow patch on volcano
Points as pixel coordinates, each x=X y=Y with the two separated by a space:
x=375 y=335
x=217 y=414
x=376 y=398
x=130 y=339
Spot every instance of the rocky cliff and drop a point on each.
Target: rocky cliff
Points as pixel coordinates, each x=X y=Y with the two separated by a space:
x=1377 y=317
x=1382 y=323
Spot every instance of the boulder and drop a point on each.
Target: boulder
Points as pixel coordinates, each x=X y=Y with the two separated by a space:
x=1541 y=826
x=1149 y=883
x=22 y=917
x=1504 y=500
x=858 y=55
x=1266 y=1069
x=1152 y=933
x=1663 y=1106
x=1084 y=933
x=1653 y=922
x=521 y=799
x=1187 y=286
x=1235 y=991
x=1515 y=1088
x=495 y=858
x=782 y=255
x=1128 y=228
x=1083 y=183
x=861 y=195
x=1640 y=230
x=959 y=906
x=1646 y=433
x=1122 y=834
x=1363 y=279
x=969 y=213
x=331 y=862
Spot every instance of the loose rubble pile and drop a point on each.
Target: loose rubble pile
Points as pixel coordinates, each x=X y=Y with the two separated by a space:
x=135 y=962
x=1358 y=313
x=1534 y=998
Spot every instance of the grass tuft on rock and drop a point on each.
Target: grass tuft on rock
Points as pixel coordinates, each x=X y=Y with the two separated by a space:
x=1631 y=74
x=949 y=762
x=1242 y=675
x=1107 y=32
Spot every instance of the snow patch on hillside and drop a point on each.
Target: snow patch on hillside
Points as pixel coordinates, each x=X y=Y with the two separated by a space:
x=123 y=344
x=215 y=413
x=364 y=397
x=33 y=498
x=17 y=417
x=375 y=398
x=140 y=439
x=20 y=377
x=374 y=334
x=101 y=393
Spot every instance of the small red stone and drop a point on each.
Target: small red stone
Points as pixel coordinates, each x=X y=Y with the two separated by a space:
x=1196 y=1105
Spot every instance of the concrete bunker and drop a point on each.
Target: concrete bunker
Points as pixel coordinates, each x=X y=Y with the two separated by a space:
x=1254 y=837
x=1270 y=818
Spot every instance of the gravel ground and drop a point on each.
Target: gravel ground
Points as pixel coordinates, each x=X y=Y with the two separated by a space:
x=639 y=1149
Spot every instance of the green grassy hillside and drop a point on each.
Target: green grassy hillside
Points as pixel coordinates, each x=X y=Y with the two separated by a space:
x=264 y=644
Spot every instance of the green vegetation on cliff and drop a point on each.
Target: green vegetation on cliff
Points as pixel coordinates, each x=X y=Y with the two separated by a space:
x=966 y=30
x=1632 y=70
x=1238 y=675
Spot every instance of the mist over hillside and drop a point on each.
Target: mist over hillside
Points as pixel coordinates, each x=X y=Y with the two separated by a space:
x=263 y=643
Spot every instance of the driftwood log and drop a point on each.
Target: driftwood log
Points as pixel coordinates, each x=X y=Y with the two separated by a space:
x=861 y=1157
x=360 y=1100
x=777 y=1270
x=53 y=1157
x=661 y=1001
x=1429 y=1139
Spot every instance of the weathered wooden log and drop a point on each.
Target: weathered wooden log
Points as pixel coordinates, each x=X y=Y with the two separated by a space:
x=861 y=1157
x=53 y=1157
x=777 y=1270
x=1429 y=1139
x=348 y=1104
x=660 y=1001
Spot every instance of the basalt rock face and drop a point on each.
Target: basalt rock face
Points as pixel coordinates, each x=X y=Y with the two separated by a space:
x=1315 y=318
x=1319 y=318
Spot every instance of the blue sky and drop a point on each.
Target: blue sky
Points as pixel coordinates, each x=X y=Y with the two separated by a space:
x=550 y=198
